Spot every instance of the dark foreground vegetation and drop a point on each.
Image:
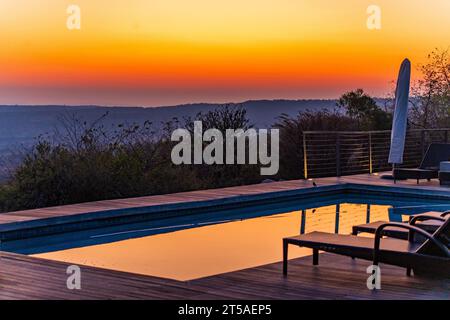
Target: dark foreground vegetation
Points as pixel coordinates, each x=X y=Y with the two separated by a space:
x=83 y=162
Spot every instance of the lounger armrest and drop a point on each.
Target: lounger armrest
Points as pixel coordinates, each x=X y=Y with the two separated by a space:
x=425 y=218
x=415 y=219
x=379 y=235
x=446 y=213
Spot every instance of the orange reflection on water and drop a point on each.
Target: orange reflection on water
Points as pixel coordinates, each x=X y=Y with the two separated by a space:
x=214 y=249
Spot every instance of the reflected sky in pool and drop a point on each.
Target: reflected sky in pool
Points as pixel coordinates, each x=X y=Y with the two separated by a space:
x=214 y=247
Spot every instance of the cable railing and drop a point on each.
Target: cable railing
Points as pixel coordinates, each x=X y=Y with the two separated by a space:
x=340 y=153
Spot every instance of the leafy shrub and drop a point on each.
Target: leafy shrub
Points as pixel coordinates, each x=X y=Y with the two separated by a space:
x=87 y=162
x=291 y=137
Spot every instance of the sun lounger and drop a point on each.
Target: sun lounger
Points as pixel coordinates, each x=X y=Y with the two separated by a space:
x=429 y=225
x=431 y=256
x=429 y=168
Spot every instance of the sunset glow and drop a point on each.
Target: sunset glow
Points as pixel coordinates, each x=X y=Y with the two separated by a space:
x=158 y=52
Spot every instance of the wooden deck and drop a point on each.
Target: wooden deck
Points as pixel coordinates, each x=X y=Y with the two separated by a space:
x=143 y=208
x=23 y=277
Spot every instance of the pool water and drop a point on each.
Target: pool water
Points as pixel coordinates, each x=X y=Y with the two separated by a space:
x=185 y=251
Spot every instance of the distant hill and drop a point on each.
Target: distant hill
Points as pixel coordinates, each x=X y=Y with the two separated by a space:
x=20 y=125
x=23 y=123
x=262 y=113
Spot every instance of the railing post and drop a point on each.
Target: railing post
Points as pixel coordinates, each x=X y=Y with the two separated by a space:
x=422 y=142
x=305 y=158
x=446 y=136
x=370 y=154
x=338 y=155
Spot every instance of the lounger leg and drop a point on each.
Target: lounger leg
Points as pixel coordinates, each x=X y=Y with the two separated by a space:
x=315 y=257
x=354 y=233
x=285 y=257
x=417 y=181
x=408 y=271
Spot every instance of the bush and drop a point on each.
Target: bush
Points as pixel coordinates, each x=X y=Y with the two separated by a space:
x=83 y=163
x=291 y=137
x=364 y=109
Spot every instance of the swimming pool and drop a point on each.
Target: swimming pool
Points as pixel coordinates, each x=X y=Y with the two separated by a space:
x=206 y=244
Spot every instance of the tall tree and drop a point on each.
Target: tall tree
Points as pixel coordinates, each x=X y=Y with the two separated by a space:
x=431 y=94
x=363 y=108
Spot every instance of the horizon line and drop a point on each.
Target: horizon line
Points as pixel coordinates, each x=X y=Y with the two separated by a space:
x=175 y=105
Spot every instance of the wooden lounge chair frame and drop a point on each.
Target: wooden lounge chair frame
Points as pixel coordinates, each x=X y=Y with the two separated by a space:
x=429 y=168
x=377 y=255
x=417 y=257
x=399 y=233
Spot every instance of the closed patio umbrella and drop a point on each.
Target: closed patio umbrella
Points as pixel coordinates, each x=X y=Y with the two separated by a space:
x=399 y=122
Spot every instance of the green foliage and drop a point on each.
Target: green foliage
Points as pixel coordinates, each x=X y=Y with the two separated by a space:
x=55 y=174
x=90 y=162
x=227 y=116
x=431 y=94
x=361 y=107
x=291 y=137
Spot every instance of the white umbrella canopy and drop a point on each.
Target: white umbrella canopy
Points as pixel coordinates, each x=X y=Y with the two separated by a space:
x=399 y=122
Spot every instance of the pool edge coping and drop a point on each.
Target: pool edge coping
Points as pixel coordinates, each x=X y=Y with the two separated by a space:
x=169 y=210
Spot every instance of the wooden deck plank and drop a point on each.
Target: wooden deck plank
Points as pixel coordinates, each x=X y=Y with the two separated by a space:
x=23 y=277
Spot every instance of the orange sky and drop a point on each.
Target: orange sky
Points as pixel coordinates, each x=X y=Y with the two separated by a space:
x=153 y=52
